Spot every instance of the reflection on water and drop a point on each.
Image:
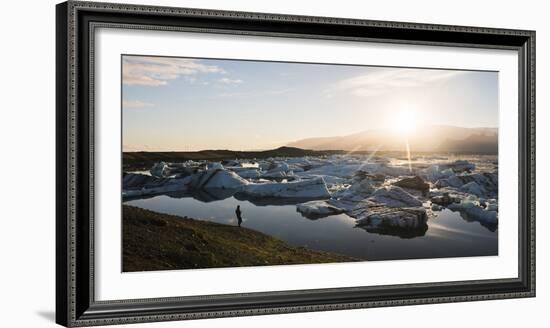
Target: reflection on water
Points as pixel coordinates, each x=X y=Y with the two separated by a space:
x=407 y=233
x=447 y=235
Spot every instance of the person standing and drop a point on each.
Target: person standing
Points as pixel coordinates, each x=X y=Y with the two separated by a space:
x=238 y=213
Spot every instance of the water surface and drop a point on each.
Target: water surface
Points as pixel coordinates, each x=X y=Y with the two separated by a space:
x=448 y=234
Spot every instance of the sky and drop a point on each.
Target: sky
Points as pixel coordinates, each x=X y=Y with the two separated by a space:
x=185 y=104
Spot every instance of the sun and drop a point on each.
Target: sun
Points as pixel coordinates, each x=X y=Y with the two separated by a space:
x=403 y=122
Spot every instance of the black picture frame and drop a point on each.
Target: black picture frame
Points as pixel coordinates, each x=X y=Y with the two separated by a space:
x=75 y=302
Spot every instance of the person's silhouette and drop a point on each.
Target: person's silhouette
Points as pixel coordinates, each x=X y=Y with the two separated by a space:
x=238 y=213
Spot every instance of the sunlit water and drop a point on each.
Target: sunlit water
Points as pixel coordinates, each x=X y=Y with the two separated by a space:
x=448 y=234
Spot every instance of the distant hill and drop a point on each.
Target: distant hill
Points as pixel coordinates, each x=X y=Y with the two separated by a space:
x=477 y=143
x=439 y=138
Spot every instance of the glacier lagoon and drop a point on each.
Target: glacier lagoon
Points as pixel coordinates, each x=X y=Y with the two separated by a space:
x=365 y=207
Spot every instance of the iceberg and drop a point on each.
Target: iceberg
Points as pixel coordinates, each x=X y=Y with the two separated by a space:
x=334 y=170
x=245 y=172
x=407 y=222
x=435 y=172
x=216 y=178
x=318 y=209
x=473 y=188
x=394 y=196
x=474 y=211
x=486 y=181
x=214 y=166
x=165 y=170
x=359 y=190
x=460 y=166
x=312 y=189
x=140 y=185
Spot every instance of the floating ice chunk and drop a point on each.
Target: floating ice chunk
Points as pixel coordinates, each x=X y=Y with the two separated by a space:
x=216 y=178
x=358 y=191
x=394 y=171
x=214 y=166
x=414 y=182
x=363 y=187
x=435 y=172
x=340 y=171
x=447 y=172
x=301 y=162
x=472 y=188
x=279 y=167
x=318 y=209
x=165 y=170
x=474 y=211
x=443 y=200
x=312 y=189
x=452 y=181
x=160 y=170
x=491 y=205
x=330 y=180
x=488 y=182
x=138 y=180
x=139 y=185
x=460 y=166
x=277 y=170
x=247 y=173
x=393 y=196
x=276 y=175
x=402 y=222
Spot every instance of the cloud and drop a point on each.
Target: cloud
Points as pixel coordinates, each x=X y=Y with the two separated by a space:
x=384 y=80
x=233 y=94
x=229 y=81
x=135 y=104
x=256 y=93
x=155 y=71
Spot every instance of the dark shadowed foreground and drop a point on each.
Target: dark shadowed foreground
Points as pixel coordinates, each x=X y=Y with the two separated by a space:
x=154 y=241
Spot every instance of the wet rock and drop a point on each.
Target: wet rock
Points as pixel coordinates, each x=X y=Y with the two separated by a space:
x=415 y=182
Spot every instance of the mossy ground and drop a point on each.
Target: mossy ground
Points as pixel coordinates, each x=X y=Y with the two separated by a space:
x=155 y=241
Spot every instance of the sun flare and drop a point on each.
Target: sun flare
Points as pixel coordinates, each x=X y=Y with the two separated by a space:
x=404 y=122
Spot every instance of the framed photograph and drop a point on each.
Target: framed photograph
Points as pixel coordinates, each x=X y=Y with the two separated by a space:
x=215 y=163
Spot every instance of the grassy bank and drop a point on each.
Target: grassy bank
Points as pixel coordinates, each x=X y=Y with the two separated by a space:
x=155 y=241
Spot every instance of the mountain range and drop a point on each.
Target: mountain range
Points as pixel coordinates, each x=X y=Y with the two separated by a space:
x=433 y=138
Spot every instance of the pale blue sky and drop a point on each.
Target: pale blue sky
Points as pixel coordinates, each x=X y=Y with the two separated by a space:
x=193 y=104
